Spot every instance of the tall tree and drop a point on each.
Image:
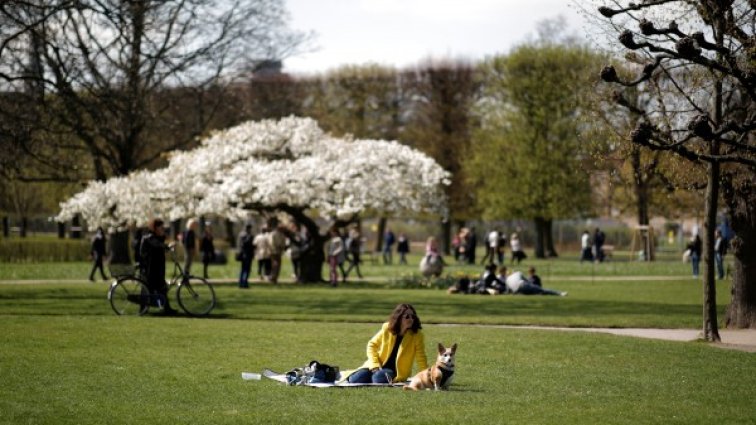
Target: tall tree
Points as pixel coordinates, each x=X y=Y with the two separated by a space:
x=645 y=182
x=706 y=115
x=99 y=68
x=439 y=123
x=288 y=166
x=526 y=159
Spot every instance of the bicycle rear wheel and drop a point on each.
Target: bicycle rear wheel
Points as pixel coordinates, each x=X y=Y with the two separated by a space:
x=129 y=296
x=196 y=296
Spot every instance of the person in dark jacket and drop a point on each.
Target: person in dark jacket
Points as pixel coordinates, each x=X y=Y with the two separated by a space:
x=695 y=253
x=246 y=254
x=403 y=248
x=98 y=254
x=207 y=249
x=152 y=252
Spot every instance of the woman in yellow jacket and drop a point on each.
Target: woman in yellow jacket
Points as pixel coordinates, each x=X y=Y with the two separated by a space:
x=391 y=352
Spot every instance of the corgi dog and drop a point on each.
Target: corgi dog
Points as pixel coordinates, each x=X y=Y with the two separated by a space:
x=438 y=376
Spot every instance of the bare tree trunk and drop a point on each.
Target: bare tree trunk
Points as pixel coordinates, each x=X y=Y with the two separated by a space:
x=379 y=237
x=24 y=226
x=6 y=226
x=710 y=328
x=61 y=230
x=540 y=248
x=548 y=226
x=446 y=231
x=230 y=235
x=741 y=313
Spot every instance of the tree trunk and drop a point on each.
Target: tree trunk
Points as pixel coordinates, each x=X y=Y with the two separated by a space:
x=549 y=235
x=640 y=184
x=741 y=313
x=446 y=231
x=710 y=327
x=379 y=237
x=312 y=259
x=540 y=248
x=76 y=227
x=24 y=225
x=61 y=230
x=6 y=226
x=230 y=235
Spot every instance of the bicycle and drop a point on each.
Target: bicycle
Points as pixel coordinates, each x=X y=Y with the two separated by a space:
x=130 y=295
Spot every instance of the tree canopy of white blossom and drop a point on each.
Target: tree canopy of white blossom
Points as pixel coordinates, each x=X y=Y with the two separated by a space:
x=267 y=165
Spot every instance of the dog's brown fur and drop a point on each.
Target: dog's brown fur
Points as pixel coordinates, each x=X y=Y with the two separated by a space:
x=432 y=378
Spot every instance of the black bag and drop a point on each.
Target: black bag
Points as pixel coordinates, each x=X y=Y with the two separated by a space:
x=323 y=372
x=314 y=373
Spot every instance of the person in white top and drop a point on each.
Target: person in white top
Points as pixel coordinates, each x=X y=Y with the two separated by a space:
x=585 y=245
x=517 y=253
x=517 y=284
x=492 y=243
x=336 y=255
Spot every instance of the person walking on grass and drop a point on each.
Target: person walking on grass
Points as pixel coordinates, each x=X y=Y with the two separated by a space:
x=277 y=247
x=388 y=246
x=189 y=241
x=97 y=253
x=354 y=249
x=585 y=247
x=245 y=254
x=207 y=249
x=262 y=252
x=336 y=256
x=152 y=252
x=403 y=248
x=695 y=253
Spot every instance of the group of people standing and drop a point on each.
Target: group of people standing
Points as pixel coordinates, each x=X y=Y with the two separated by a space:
x=465 y=243
x=402 y=247
x=694 y=252
x=268 y=247
x=592 y=249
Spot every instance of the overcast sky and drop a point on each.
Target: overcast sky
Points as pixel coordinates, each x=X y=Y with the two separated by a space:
x=404 y=32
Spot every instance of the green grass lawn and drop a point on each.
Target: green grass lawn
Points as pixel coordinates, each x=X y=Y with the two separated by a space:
x=67 y=359
x=106 y=369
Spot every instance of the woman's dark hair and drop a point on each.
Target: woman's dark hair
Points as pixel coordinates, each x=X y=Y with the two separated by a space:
x=395 y=320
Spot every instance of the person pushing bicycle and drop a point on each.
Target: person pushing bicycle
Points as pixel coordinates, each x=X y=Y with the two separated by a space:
x=152 y=251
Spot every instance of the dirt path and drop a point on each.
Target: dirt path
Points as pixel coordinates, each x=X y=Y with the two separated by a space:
x=741 y=339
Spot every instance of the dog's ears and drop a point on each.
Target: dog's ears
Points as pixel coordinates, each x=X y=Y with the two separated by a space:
x=454 y=348
x=441 y=348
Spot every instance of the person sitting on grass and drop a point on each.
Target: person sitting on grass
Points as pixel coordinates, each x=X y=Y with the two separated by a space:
x=517 y=284
x=392 y=351
x=489 y=283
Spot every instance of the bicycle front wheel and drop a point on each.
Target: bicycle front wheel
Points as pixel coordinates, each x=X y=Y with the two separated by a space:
x=196 y=296
x=129 y=296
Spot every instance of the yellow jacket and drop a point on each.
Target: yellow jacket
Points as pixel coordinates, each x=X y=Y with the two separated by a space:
x=412 y=348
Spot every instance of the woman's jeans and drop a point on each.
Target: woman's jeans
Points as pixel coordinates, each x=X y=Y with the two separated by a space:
x=365 y=376
x=720 y=265
x=694 y=260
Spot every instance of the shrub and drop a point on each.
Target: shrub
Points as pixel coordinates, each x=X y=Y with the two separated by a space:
x=43 y=249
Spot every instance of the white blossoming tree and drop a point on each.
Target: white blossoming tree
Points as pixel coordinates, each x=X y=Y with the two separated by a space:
x=288 y=166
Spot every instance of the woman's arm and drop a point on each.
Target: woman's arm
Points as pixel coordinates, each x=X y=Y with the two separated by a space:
x=420 y=357
x=373 y=349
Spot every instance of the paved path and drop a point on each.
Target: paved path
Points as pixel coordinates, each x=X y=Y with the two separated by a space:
x=740 y=339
